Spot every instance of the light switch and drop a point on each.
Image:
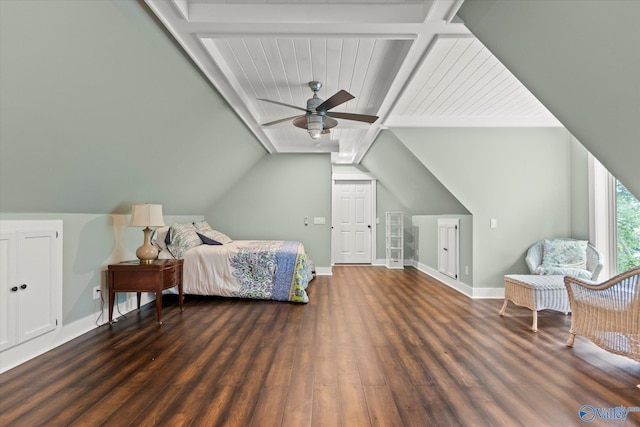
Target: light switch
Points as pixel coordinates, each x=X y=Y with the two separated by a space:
x=319 y=220
x=494 y=222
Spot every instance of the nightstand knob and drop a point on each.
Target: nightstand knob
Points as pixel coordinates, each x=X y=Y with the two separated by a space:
x=14 y=289
x=23 y=286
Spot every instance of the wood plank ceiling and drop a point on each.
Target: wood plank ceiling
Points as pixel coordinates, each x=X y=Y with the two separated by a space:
x=410 y=62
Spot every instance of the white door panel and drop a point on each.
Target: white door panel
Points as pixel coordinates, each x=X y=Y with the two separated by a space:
x=352 y=222
x=448 y=247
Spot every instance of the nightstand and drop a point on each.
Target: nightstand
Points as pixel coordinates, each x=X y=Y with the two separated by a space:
x=132 y=276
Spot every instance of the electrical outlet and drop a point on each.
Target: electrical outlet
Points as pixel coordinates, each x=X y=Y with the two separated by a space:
x=97 y=292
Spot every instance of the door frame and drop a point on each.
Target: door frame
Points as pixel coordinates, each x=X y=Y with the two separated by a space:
x=449 y=223
x=361 y=176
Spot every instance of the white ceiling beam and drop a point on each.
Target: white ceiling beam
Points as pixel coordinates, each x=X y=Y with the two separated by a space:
x=456 y=121
x=305 y=13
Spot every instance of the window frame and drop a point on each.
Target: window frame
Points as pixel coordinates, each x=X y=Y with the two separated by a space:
x=602 y=215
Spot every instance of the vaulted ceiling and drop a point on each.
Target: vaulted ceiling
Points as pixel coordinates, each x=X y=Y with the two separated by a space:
x=410 y=62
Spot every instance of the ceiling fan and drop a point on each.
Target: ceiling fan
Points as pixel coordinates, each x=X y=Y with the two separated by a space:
x=317 y=119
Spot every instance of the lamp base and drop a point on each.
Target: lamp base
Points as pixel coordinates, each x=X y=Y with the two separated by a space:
x=147 y=253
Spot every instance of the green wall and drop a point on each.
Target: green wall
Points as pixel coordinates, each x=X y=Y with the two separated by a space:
x=582 y=60
x=405 y=184
x=272 y=200
x=90 y=243
x=100 y=110
x=521 y=177
x=426 y=229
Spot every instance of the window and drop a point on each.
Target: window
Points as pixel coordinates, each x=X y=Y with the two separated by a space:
x=614 y=221
x=627 y=229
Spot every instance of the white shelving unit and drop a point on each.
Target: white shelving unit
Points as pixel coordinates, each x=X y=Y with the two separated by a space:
x=395 y=239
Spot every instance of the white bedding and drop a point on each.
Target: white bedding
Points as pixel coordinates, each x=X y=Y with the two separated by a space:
x=260 y=269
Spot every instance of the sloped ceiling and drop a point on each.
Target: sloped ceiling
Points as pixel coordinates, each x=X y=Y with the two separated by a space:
x=410 y=62
x=94 y=120
x=583 y=63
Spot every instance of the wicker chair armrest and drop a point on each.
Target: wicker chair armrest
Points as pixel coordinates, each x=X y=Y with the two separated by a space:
x=534 y=257
x=607 y=313
x=594 y=261
x=595 y=286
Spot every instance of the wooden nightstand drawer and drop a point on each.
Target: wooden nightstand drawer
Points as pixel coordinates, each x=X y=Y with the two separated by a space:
x=170 y=278
x=132 y=276
x=131 y=281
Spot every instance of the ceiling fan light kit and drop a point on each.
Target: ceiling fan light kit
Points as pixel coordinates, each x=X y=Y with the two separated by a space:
x=317 y=119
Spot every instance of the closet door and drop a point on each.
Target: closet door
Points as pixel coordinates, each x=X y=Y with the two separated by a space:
x=8 y=296
x=448 y=247
x=36 y=302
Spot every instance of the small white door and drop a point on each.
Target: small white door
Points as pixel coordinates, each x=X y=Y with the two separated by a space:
x=8 y=296
x=448 y=247
x=352 y=222
x=36 y=302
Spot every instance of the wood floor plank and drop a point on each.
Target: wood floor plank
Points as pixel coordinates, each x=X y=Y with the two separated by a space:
x=382 y=409
x=326 y=406
x=373 y=347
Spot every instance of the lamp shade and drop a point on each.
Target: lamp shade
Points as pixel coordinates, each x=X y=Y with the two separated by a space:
x=146 y=216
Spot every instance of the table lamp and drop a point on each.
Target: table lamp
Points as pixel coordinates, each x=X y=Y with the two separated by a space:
x=146 y=216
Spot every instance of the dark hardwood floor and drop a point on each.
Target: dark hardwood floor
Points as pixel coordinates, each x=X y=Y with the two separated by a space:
x=373 y=347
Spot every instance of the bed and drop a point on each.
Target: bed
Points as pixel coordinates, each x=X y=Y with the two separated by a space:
x=216 y=265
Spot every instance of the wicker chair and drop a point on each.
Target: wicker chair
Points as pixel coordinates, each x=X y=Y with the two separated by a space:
x=535 y=255
x=607 y=313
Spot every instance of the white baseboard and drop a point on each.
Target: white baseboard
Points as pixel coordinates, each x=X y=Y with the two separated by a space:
x=324 y=271
x=383 y=262
x=470 y=291
x=28 y=350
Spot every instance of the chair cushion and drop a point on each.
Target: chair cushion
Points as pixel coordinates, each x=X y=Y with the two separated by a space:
x=565 y=257
x=578 y=273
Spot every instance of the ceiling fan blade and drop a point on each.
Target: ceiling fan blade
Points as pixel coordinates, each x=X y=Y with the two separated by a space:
x=340 y=97
x=282 y=103
x=280 y=121
x=356 y=117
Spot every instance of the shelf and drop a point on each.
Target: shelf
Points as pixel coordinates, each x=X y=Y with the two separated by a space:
x=394 y=239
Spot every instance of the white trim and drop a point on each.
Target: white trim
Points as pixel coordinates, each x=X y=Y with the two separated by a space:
x=480 y=122
x=24 y=352
x=361 y=176
x=471 y=292
x=602 y=215
x=351 y=176
x=448 y=223
x=324 y=271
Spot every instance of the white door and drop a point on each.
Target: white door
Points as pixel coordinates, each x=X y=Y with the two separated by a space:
x=448 y=247
x=36 y=302
x=8 y=294
x=352 y=222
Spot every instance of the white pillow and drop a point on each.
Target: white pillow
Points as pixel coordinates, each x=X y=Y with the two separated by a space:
x=159 y=236
x=204 y=228
x=183 y=238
